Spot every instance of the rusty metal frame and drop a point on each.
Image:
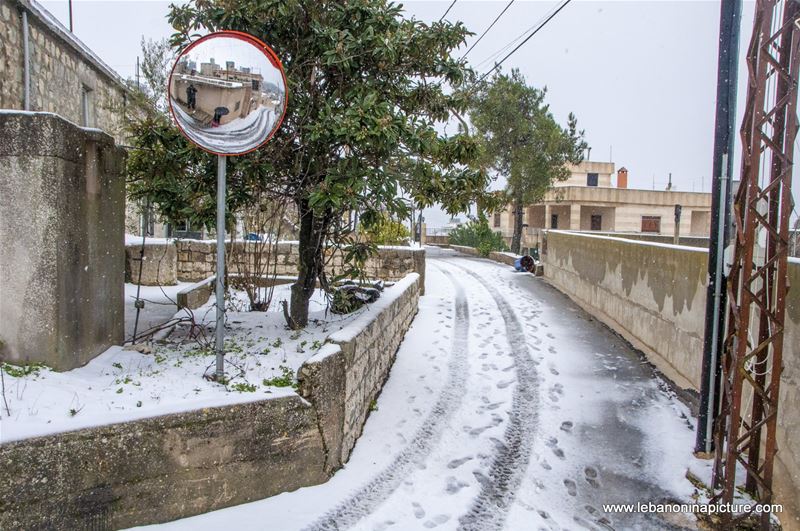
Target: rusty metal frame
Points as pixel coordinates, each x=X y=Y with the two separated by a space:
x=757 y=284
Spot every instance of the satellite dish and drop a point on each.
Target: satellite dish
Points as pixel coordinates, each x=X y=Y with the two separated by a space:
x=227 y=93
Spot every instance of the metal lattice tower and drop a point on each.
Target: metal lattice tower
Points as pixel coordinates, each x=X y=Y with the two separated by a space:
x=757 y=284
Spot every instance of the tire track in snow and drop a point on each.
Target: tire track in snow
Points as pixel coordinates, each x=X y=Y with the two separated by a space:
x=365 y=500
x=498 y=490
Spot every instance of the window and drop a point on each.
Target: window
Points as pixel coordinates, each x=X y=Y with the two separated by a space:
x=597 y=222
x=238 y=104
x=554 y=221
x=497 y=219
x=651 y=224
x=86 y=106
x=591 y=179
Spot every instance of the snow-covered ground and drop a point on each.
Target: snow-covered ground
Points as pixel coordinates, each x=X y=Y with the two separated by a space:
x=262 y=358
x=236 y=136
x=507 y=408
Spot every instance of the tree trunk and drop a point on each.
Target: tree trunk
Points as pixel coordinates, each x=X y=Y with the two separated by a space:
x=517 y=238
x=309 y=263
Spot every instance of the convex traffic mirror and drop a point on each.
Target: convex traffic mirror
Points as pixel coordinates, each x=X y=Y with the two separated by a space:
x=227 y=93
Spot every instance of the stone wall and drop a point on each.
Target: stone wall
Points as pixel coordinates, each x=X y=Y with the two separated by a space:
x=158 y=264
x=179 y=465
x=61 y=207
x=353 y=368
x=61 y=69
x=654 y=296
x=197 y=260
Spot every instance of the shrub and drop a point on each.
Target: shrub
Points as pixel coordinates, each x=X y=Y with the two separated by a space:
x=477 y=234
x=386 y=231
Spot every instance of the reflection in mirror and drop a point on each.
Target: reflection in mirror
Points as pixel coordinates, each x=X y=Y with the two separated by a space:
x=227 y=93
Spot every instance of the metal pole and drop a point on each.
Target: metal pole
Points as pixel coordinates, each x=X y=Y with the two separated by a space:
x=26 y=57
x=219 y=374
x=70 y=16
x=722 y=169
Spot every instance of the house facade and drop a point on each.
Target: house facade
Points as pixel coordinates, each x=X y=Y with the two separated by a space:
x=589 y=201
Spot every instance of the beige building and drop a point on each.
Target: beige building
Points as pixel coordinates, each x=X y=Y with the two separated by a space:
x=589 y=201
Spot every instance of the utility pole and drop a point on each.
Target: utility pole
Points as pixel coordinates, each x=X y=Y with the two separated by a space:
x=70 y=16
x=722 y=168
x=758 y=280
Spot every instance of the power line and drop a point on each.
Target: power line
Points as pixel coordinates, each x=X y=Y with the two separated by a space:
x=514 y=41
x=529 y=37
x=487 y=29
x=448 y=10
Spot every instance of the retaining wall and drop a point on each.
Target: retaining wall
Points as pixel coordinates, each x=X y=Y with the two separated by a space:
x=654 y=296
x=175 y=466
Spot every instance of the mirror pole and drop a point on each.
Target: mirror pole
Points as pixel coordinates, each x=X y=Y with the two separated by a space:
x=219 y=374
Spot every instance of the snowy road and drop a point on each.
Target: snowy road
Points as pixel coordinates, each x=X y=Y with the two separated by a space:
x=508 y=408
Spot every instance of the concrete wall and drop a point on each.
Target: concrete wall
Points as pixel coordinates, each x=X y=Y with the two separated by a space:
x=180 y=465
x=61 y=223
x=61 y=68
x=654 y=296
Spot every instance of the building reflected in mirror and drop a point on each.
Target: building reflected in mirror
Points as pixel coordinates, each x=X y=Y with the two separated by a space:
x=227 y=94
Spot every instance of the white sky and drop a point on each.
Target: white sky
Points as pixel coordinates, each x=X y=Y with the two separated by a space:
x=640 y=75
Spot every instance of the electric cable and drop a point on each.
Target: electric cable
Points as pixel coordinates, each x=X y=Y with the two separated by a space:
x=487 y=29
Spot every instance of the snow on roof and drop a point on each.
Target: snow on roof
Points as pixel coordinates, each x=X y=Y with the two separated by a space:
x=53 y=24
x=211 y=81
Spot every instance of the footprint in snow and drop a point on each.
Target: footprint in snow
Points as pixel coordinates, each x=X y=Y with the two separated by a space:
x=591 y=477
x=455 y=463
x=503 y=385
x=419 y=512
x=554 y=371
x=572 y=488
x=437 y=520
x=566 y=426
x=454 y=485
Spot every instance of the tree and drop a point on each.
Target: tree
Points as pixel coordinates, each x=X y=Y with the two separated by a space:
x=523 y=142
x=366 y=91
x=156 y=58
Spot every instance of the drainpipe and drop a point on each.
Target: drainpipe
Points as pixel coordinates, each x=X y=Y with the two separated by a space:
x=26 y=53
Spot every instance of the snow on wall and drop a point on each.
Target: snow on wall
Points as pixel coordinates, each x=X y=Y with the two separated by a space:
x=182 y=464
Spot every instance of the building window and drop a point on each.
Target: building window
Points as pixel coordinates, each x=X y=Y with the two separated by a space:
x=597 y=222
x=651 y=224
x=591 y=179
x=554 y=221
x=497 y=219
x=86 y=106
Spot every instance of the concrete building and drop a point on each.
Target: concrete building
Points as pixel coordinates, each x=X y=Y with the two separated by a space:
x=588 y=201
x=46 y=68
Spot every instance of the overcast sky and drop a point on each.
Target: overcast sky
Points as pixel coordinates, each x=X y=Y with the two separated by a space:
x=639 y=75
